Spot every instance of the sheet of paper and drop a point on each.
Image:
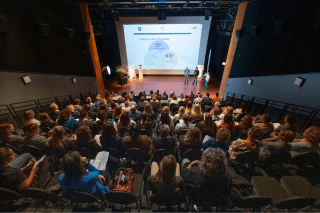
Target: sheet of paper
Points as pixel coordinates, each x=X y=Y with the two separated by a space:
x=102 y=158
x=39 y=161
x=95 y=163
x=276 y=125
x=97 y=137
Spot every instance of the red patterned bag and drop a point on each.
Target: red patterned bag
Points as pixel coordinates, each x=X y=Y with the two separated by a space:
x=123 y=180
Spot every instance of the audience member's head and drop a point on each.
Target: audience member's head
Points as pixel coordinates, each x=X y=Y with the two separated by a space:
x=265 y=118
x=142 y=98
x=113 y=105
x=131 y=98
x=217 y=95
x=109 y=132
x=286 y=135
x=54 y=107
x=28 y=116
x=246 y=123
x=165 y=118
x=144 y=116
x=44 y=118
x=182 y=96
x=196 y=110
x=135 y=132
x=208 y=122
x=255 y=133
x=71 y=107
x=166 y=175
x=216 y=111
x=228 y=103
x=6 y=131
x=102 y=106
x=65 y=115
x=312 y=134
x=290 y=119
x=74 y=165
x=133 y=108
x=83 y=134
x=228 y=119
x=243 y=107
x=223 y=135
x=76 y=101
x=174 y=97
x=57 y=139
x=89 y=100
x=166 y=109
x=102 y=115
x=84 y=114
x=148 y=109
x=87 y=107
x=208 y=94
x=213 y=162
x=164 y=97
x=229 y=110
x=6 y=156
x=151 y=92
x=117 y=112
x=164 y=131
x=193 y=137
x=125 y=119
x=120 y=100
x=126 y=104
x=32 y=129
x=181 y=111
x=189 y=105
x=186 y=118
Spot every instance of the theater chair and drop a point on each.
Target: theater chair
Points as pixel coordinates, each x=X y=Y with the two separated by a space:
x=79 y=198
x=192 y=155
x=300 y=187
x=34 y=151
x=281 y=199
x=245 y=164
x=8 y=198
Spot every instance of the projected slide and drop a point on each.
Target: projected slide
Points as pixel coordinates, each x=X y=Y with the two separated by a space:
x=167 y=46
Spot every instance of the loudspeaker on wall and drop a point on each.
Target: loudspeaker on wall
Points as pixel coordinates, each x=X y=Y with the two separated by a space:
x=240 y=33
x=283 y=26
x=3 y=24
x=256 y=30
x=44 y=29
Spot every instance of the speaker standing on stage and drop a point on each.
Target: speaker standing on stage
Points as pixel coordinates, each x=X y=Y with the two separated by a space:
x=186 y=75
x=196 y=74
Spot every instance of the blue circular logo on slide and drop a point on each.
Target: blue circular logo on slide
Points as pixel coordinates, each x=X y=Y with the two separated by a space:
x=159 y=46
x=153 y=60
x=139 y=28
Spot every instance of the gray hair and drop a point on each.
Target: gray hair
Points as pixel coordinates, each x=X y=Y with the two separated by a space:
x=213 y=161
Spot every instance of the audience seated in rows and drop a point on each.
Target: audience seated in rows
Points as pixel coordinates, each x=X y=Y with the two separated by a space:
x=134 y=113
x=84 y=139
x=125 y=122
x=181 y=98
x=208 y=125
x=54 y=115
x=245 y=124
x=58 y=142
x=188 y=107
x=196 y=113
x=110 y=139
x=183 y=125
x=192 y=140
x=220 y=141
x=33 y=138
x=7 y=135
x=265 y=124
x=144 y=123
x=66 y=120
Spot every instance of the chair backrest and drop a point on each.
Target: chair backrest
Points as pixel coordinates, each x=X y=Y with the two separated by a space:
x=14 y=149
x=120 y=197
x=113 y=152
x=196 y=121
x=192 y=154
x=8 y=194
x=278 y=157
x=182 y=103
x=173 y=105
x=45 y=129
x=36 y=152
x=303 y=160
x=164 y=104
x=68 y=130
x=159 y=154
x=40 y=194
x=155 y=109
x=84 y=152
x=182 y=132
x=141 y=109
x=174 y=109
x=136 y=154
x=122 y=131
x=243 y=135
x=80 y=197
x=247 y=157
x=145 y=132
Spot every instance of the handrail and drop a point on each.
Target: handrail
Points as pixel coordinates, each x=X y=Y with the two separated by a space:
x=284 y=107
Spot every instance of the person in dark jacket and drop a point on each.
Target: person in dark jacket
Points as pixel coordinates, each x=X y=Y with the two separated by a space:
x=196 y=74
x=208 y=180
x=134 y=113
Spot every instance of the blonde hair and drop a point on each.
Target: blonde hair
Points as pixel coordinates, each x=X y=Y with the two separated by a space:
x=196 y=110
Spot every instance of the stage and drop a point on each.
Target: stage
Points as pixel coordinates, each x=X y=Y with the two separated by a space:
x=163 y=83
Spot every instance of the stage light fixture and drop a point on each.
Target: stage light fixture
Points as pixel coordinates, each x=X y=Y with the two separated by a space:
x=203 y=2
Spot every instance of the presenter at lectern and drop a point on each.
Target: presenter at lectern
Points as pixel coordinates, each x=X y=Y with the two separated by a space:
x=140 y=72
x=186 y=75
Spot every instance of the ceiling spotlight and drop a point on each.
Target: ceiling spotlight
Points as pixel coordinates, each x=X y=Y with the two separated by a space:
x=203 y=2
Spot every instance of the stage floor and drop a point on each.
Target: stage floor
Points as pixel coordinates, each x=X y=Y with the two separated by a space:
x=163 y=83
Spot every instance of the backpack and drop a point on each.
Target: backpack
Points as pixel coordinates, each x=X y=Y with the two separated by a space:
x=123 y=180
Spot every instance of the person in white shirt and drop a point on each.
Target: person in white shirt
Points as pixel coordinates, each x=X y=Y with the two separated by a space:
x=181 y=98
x=126 y=107
x=174 y=100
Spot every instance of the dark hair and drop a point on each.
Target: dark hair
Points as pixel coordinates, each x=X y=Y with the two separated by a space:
x=113 y=105
x=174 y=97
x=57 y=139
x=144 y=116
x=4 y=131
x=109 y=132
x=102 y=106
x=87 y=107
x=228 y=103
x=4 y=155
x=266 y=118
x=228 y=119
x=151 y=92
x=65 y=115
x=186 y=118
x=165 y=119
x=125 y=119
x=208 y=94
x=44 y=118
x=217 y=94
x=102 y=115
x=120 y=100
x=71 y=166
x=166 y=175
x=83 y=134
x=32 y=129
x=243 y=107
x=28 y=115
x=189 y=105
x=291 y=119
x=148 y=109
x=76 y=101
x=135 y=132
x=83 y=113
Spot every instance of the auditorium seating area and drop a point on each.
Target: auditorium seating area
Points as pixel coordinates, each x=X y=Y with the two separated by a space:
x=234 y=154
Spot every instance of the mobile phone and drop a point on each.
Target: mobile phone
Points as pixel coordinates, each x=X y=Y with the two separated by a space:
x=108 y=120
x=112 y=120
